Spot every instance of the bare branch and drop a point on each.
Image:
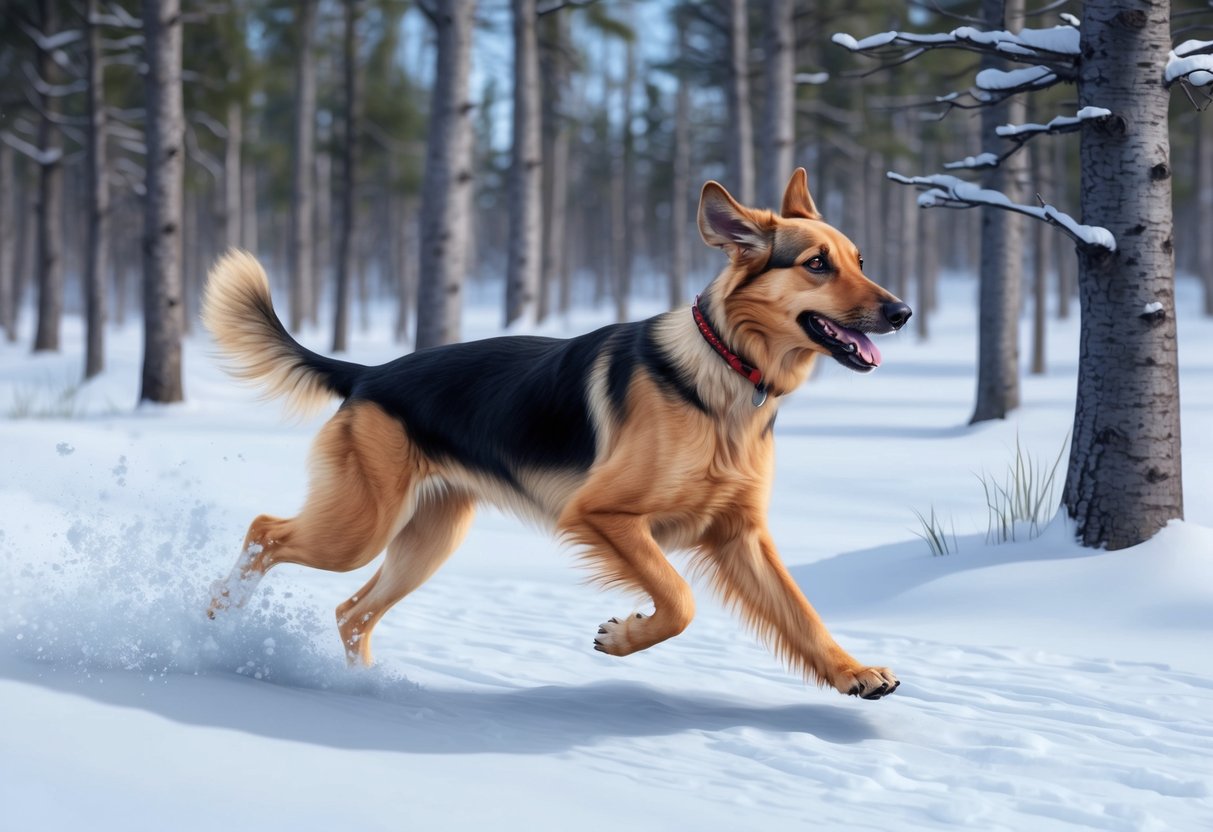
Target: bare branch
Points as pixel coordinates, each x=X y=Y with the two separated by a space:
x=39 y=156
x=562 y=4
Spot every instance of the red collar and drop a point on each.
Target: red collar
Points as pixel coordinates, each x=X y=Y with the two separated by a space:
x=751 y=374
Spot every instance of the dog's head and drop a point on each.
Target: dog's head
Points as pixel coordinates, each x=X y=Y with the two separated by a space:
x=794 y=287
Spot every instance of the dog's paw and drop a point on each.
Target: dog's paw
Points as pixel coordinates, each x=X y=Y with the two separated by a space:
x=612 y=637
x=866 y=682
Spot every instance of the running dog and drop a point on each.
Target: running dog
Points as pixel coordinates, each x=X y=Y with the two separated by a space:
x=628 y=441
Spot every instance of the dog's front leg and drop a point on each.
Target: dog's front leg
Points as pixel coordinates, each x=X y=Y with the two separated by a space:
x=751 y=576
x=622 y=552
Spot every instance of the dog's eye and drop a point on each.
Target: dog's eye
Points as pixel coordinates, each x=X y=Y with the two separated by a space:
x=816 y=264
x=861 y=262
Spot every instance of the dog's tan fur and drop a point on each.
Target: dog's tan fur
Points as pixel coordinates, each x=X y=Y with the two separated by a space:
x=666 y=475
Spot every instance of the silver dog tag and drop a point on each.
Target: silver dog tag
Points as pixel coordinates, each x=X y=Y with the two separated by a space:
x=760 y=396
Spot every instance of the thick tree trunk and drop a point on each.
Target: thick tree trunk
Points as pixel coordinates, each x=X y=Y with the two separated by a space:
x=50 y=196
x=1125 y=481
x=303 y=162
x=447 y=185
x=163 y=314
x=741 y=138
x=1001 y=248
x=8 y=239
x=779 y=128
x=232 y=184
x=97 y=262
x=525 y=180
x=346 y=255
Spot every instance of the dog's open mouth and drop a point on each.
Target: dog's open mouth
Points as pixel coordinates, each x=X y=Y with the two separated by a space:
x=849 y=346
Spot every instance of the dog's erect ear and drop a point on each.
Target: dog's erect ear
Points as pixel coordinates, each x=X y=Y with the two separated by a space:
x=797 y=202
x=725 y=224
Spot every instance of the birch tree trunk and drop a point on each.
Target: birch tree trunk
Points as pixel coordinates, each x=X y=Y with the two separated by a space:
x=8 y=239
x=741 y=138
x=1001 y=248
x=322 y=223
x=1124 y=481
x=525 y=181
x=1042 y=238
x=346 y=254
x=50 y=196
x=447 y=184
x=232 y=184
x=553 y=36
x=303 y=163
x=97 y=262
x=163 y=314
x=248 y=192
x=779 y=129
x=1066 y=262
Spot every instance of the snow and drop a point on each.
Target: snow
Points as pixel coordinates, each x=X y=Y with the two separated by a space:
x=998 y=80
x=1197 y=70
x=943 y=189
x=981 y=160
x=1045 y=686
x=1085 y=114
x=1151 y=308
x=1031 y=43
x=814 y=78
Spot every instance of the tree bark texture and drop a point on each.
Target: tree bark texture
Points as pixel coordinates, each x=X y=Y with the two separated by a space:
x=1124 y=481
x=346 y=254
x=1065 y=260
x=554 y=81
x=1001 y=247
x=447 y=183
x=741 y=137
x=303 y=164
x=50 y=196
x=163 y=312
x=526 y=171
x=779 y=128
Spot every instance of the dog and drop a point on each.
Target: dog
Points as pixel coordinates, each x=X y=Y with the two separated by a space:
x=627 y=441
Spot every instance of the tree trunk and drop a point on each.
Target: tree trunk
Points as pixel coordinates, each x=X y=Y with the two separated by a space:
x=1124 y=481
x=1065 y=260
x=163 y=316
x=97 y=263
x=1042 y=237
x=231 y=175
x=345 y=234
x=1001 y=248
x=525 y=180
x=680 y=227
x=248 y=192
x=741 y=138
x=50 y=196
x=1204 y=209
x=405 y=265
x=779 y=130
x=322 y=225
x=303 y=166
x=8 y=239
x=447 y=185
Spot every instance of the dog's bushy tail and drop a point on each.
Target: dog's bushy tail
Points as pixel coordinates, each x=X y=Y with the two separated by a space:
x=237 y=310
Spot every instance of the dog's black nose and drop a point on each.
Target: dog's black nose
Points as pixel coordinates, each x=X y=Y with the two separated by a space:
x=897 y=314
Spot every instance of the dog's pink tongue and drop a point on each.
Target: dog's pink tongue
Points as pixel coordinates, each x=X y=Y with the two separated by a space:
x=863 y=344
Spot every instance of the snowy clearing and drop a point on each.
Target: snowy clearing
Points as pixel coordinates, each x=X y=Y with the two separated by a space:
x=1044 y=686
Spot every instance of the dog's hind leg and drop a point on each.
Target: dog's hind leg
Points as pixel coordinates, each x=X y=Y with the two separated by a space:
x=750 y=575
x=439 y=525
x=363 y=490
x=622 y=552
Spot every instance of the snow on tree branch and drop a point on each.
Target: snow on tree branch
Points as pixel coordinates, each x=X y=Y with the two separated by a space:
x=944 y=191
x=1020 y=134
x=1191 y=61
x=40 y=157
x=1055 y=45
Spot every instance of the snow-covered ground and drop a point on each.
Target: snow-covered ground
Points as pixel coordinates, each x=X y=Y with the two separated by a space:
x=1043 y=686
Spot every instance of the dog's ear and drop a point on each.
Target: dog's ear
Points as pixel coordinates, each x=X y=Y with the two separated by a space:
x=797 y=202
x=727 y=225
